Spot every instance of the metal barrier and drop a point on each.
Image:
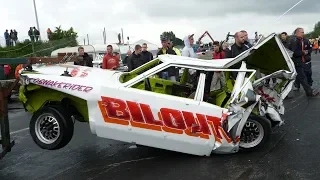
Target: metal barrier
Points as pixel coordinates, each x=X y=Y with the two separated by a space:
x=6 y=86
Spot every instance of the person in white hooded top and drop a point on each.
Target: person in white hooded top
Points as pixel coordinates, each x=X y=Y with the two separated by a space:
x=188 y=50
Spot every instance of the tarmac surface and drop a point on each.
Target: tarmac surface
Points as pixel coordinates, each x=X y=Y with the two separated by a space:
x=292 y=153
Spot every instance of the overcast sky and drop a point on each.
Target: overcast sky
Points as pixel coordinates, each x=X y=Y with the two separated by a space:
x=148 y=19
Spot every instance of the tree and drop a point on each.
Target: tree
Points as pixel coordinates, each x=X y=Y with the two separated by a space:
x=315 y=33
x=67 y=37
x=172 y=37
x=59 y=33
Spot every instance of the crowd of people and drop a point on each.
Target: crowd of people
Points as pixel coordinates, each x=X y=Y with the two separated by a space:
x=300 y=46
x=11 y=37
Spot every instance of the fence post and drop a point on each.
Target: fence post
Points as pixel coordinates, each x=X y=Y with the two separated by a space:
x=33 y=51
x=6 y=86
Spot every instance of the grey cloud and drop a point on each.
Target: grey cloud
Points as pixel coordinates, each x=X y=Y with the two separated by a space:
x=206 y=8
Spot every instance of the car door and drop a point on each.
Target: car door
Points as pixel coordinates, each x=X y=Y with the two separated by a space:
x=232 y=116
x=162 y=120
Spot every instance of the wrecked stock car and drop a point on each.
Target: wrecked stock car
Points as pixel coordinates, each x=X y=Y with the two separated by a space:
x=142 y=108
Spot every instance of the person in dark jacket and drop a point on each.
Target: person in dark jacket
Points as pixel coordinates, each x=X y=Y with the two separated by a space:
x=236 y=49
x=7 y=38
x=165 y=48
x=135 y=59
x=125 y=61
x=146 y=56
x=307 y=66
x=297 y=46
x=284 y=39
x=171 y=72
x=246 y=39
x=83 y=59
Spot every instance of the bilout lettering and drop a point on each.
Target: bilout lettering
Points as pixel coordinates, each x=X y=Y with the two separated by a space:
x=61 y=85
x=140 y=115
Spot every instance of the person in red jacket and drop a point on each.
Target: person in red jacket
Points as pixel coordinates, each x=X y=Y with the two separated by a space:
x=110 y=61
x=218 y=79
x=218 y=53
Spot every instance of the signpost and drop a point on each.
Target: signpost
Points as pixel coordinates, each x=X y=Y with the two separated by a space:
x=6 y=86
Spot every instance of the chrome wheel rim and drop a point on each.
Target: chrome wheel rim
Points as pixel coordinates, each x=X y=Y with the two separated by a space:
x=251 y=135
x=47 y=128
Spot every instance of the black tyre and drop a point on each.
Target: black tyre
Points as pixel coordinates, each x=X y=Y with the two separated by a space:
x=255 y=133
x=51 y=127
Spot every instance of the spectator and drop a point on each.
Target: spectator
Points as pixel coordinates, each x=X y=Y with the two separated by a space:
x=30 y=34
x=218 y=53
x=238 y=47
x=171 y=72
x=307 y=66
x=188 y=50
x=11 y=37
x=246 y=39
x=225 y=48
x=171 y=46
x=15 y=36
x=49 y=32
x=297 y=46
x=284 y=40
x=146 y=56
x=36 y=33
x=256 y=37
x=7 y=37
x=135 y=60
x=165 y=48
x=110 y=61
x=214 y=79
x=83 y=59
x=315 y=46
x=125 y=61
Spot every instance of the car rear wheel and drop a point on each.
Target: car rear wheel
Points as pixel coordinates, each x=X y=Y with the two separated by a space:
x=51 y=127
x=255 y=133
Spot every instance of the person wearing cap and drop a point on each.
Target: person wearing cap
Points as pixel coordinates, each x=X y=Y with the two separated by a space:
x=171 y=72
x=165 y=48
x=188 y=50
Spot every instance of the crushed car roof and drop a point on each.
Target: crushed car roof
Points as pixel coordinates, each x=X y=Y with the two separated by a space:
x=268 y=56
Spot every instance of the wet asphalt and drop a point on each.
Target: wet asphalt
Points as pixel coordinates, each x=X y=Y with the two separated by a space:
x=292 y=153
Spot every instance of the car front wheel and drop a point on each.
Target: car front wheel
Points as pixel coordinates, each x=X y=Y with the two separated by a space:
x=51 y=127
x=255 y=133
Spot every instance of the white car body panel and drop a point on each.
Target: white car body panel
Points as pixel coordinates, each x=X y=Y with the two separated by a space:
x=165 y=124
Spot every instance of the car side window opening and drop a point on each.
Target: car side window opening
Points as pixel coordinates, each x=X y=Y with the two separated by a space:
x=125 y=77
x=218 y=84
x=172 y=80
x=219 y=87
